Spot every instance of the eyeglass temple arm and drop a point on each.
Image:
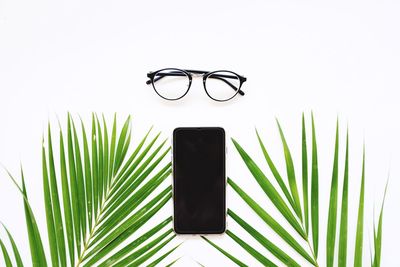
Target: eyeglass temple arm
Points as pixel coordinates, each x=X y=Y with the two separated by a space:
x=214 y=76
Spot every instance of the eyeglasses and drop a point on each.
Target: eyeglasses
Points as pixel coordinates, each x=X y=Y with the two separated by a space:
x=173 y=84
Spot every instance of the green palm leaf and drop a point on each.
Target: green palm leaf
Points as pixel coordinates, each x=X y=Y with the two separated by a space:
x=275 y=250
x=6 y=256
x=55 y=200
x=290 y=172
x=358 y=251
x=227 y=254
x=342 y=258
x=134 y=244
x=275 y=172
x=257 y=255
x=311 y=240
x=103 y=187
x=172 y=263
x=35 y=240
x=314 y=191
x=378 y=235
x=332 y=214
x=129 y=258
x=17 y=255
x=75 y=197
x=304 y=172
x=49 y=213
x=162 y=257
x=271 y=222
x=269 y=190
x=150 y=253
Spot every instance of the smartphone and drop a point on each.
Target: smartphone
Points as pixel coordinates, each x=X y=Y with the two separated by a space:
x=199 y=181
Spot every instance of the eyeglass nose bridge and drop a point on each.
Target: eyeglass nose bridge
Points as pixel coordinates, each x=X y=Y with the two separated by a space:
x=197 y=75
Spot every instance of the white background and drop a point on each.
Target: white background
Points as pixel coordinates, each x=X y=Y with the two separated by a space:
x=337 y=59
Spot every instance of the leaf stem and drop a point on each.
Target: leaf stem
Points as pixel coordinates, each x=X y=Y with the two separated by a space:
x=93 y=230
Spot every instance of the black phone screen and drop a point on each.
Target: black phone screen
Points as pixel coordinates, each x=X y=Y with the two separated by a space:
x=199 y=180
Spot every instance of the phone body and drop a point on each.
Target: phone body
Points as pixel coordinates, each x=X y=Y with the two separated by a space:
x=199 y=180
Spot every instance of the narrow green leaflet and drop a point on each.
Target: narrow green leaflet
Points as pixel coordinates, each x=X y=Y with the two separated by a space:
x=227 y=254
x=275 y=172
x=133 y=183
x=132 y=202
x=58 y=222
x=141 y=251
x=36 y=243
x=118 y=187
x=332 y=212
x=128 y=227
x=80 y=181
x=49 y=213
x=265 y=242
x=166 y=254
x=290 y=173
x=358 y=251
x=271 y=222
x=172 y=263
x=6 y=256
x=269 y=190
x=314 y=192
x=88 y=178
x=95 y=170
x=105 y=157
x=134 y=244
x=73 y=187
x=122 y=142
x=100 y=166
x=123 y=176
x=67 y=201
x=378 y=235
x=128 y=166
x=342 y=257
x=112 y=149
x=257 y=255
x=152 y=252
x=304 y=172
x=17 y=255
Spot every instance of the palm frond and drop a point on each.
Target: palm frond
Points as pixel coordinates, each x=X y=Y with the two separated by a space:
x=106 y=194
x=298 y=237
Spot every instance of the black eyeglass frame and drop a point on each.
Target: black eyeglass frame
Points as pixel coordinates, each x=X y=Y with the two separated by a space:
x=206 y=74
